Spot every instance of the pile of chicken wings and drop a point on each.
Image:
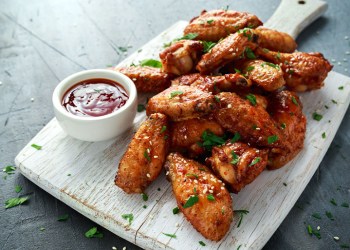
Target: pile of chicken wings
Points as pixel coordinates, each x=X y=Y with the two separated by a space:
x=225 y=109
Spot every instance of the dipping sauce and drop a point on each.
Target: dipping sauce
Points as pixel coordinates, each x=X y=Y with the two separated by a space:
x=94 y=97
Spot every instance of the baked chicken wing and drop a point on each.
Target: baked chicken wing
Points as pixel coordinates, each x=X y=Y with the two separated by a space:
x=143 y=160
x=233 y=47
x=286 y=109
x=252 y=122
x=266 y=75
x=181 y=57
x=213 y=84
x=237 y=164
x=302 y=71
x=182 y=103
x=275 y=40
x=200 y=196
x=216 y=24
x=147 y=79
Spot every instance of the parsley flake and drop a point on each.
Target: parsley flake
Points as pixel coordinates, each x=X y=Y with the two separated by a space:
x=316 y=215
x=128 y=217
x=333 y=202
x=266 y=50
x=146 y=155
x=191 y=201
x=202 y=243
x=210 y=197
x=9 y=170
x=241 y=213
x=324 y=135
x=250 y=68
x=344 y=204
x=283 y=125
x=255 y=161
x=341 y=88
x=37 y=147
x=63 y=217
x=236 y=137
x=329 y=215
x=344 y=246
x=295 y=101
x=170 y=235
x=251 y=98
x=249 y=53
x=18 y=188
x=151 y=63
x=175 y=93
x=317 y=116
x=189 y=36
x=141 y=108
x=334 y=101
x=271 y=139
x=93 y=233
x=210 y=140
x=278 y=56
x=176 y=210
x=13 y=202
x=235 y=157
x=192 y=175
x=217 y=99
x=144 y=197
x=210 y=21
x=163 y=129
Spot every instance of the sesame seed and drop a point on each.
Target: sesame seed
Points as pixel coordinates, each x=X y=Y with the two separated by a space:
x=195 y=181
x=114 y=248
x=185 y=136
x=148 y=175
x=150 y=142
x=346 y=70
x=0 y=83
x=220 y=181
x=345 y=60
x=124 y=248
x=230 y=50
x=167 y=173
x=339 y=63
x=347 y=52
x=212 y=187
x=177 y=224
x=156 y=156
x=336 y=237
x=32 y=99
x=148 y=150
x=229 y=106
x=223 y=184
x=258 y=128
x=211 y=191
x=204 y=178
x=333 y=60
x=346 y=38
x=318 y=228
x=134 y=79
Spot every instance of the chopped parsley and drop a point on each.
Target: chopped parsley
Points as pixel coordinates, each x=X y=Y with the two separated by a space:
x=239 y=247
x=334 y=101
x=317 y=116
x=9 y=169
x=333 y=202
x=329 y=215
x=146 y=155
x=151 y=63
x=176 y=210
x=309 y=229
x=255 y=161
x=189 y=36
x=251 y=98
x=271 y=139
x=275 y=66
x=290 y=71
x=313 y=232
x=241 y=214
x=316 y=215
x=250 y=68
x=192 y=175
x=217 y=99
x=244 y=31
x=210 y=197
x=238 y=71
x=163 y=129
x=93 y=233
x=278 y=56
x=344 y=246
x=210 y=140
x=144 y=206
x=344 y=204
x=191 y=201
x=63 y=217
x=144 y=197
x=207 y=46
x=266 y=50
x=175 y=93
x=249 y=53
x=13 y=202
x=202 y=243
x=236 y=137
x=341 y=88
x=324 y=135
x=37 y=147
x=18 y=188
x=283 y=125
x=295 y=101
x=128 y=217
x=170 y=235
x=210 y=21
x=124 y=49
x=141 y=107
x=235 y=157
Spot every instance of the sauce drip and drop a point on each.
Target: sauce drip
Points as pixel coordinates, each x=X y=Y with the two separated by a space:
x=94 y=97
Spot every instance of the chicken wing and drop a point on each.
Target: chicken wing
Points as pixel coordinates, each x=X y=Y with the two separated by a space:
x=275 y=40
x=266 y=75
x=231 y=48
x=286 y=109
x=145 y=156
x=200 y=196
x=181 y=57
x=213 y=84
x=186 y=134
x=252 y=122
x=147 y=79
x=302 y=71
x=237 y=164
x=216 y=24
x=182 y=103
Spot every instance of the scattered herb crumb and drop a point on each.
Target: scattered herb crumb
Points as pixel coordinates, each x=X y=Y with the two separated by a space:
x=170 y=235
x=151 y=63
x=236 y=137
x=141 y=107
x=13 y=202
x=271 y=139
x=176 y=210
x=344 y=246
x=333 y=202
x=295 y=101
x=144 y=196
x=202 y=243
x=334 y=101
x=9 y=170
x=251 y=98
x=37 y=147
x=239 y=247
x=341 y=88
x=324 y=135
x=18 y=188
x=241 y=214
x=329 y=215
x=128 y=217
x=42 y=229
x=210 y=197
x=144 y=206
x=317 y=216
x=175 y=93
x=191 y=201
x=344 y=204
x=93 y=233
x=63 y=217
x=317 y=116
x=69 y=175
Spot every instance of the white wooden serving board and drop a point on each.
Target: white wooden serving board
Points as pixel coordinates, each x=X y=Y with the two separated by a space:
x=90 y=188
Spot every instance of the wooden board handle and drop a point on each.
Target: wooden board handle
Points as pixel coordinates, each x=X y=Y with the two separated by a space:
x=292 y=16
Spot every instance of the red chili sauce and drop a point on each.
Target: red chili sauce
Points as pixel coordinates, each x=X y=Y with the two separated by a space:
x=94 y=97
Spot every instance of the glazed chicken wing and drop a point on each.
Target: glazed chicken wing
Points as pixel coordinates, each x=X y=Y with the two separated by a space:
x=266 y=75
x=181 y=57
x=182 y=103
x=216 y=24
x=253 y=123
x=286 y=109
x=200 y=196
x=275 y=40
x=213 y=84
x=237 y=164
x=302 y=71
x=145 y=156
x=186 y=134
x=147 y=79
x=231 y=48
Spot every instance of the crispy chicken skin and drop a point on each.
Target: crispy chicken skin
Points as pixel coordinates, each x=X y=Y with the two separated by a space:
x=275 y=40
x=186 y=134
x=237 y=164
x=212 y=218
x=216 y=24
x=266 y=75
x=143 y=160
x=229 y=49
x=181 y=57
x=253 y=123
x=147 y=79
x=302 y=71
x=286 y=109
x=213 y=84
x=182 y=103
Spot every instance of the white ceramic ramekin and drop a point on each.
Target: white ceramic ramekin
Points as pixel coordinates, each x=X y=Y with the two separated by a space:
x=95 y=128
